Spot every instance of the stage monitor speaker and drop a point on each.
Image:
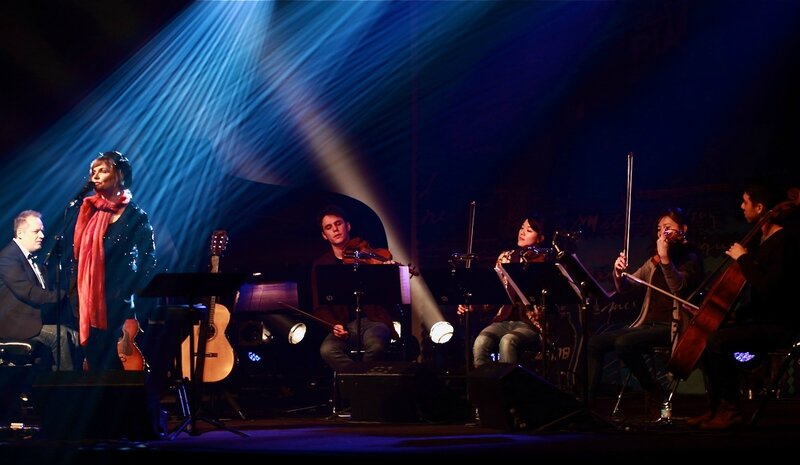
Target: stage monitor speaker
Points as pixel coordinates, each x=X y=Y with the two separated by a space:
x=105 y=405
x=510 y=397
x=401 y=392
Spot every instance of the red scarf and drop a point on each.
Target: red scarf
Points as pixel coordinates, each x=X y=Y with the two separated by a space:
x=90 y=228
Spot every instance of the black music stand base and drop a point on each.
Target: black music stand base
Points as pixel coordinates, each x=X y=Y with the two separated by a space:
x=192 y=286
x=584 y=411
x=189 y=424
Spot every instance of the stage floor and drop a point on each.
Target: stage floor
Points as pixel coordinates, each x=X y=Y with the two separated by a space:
x=596 y=436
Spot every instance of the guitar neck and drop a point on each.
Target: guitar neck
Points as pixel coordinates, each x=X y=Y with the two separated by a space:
x=213 y=300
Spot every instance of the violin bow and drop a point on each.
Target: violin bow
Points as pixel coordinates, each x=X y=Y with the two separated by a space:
x=313 y=317
x=628 y=203
x=470 y=232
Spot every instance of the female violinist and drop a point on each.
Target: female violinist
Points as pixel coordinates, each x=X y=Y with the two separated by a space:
x=674 y=266
x=375 y=324
x=514 y=327
x=761 y=322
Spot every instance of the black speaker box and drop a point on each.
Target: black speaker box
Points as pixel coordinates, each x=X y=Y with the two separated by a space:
x=105 y=405
x=395 y=392
x=511 y=397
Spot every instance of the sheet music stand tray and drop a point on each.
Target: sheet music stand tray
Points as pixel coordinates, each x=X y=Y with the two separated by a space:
x=192 y=286
x=363 y=284
x=467 y=286
x=533 y=278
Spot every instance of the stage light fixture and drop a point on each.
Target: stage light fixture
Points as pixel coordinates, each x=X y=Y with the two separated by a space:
x=398 y=328
x=253 y=333
x=284 y=326
x=441 y=332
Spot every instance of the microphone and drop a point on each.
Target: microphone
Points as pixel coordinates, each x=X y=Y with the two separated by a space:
x=55 y=250
x=569 y=234
x=463 y=256
x=84 y=190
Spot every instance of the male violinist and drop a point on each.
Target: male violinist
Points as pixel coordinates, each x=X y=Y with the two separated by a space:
x=762 y=322
x=376 y=322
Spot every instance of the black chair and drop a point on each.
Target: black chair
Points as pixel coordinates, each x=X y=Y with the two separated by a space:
x=659 y=374
x=20 y=362
x=792 y=356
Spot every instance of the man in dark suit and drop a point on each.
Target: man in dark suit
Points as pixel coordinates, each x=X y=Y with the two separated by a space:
x=24 y=292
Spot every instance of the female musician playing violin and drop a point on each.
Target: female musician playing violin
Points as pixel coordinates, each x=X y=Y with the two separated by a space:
x=675 y=266
x=376 y=322
x=513 y=327
x=761 y=323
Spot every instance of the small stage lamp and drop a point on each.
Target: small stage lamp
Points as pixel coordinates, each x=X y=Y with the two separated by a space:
x=441 y=332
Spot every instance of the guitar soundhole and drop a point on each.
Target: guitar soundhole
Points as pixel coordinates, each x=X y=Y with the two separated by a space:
x=212 y=331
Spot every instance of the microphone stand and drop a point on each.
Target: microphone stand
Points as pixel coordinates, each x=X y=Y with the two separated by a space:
x=57 y=250
x=467 y=295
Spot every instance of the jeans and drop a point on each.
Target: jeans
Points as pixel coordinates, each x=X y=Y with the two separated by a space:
x=630 y=345
x=374 y=341
x=506 y=336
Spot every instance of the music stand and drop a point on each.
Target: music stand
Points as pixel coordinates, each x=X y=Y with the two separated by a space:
x=363 y=284
x=546 y=282
x=576 y=273
x=467 y=286
x=585 y=287
x=192 y=286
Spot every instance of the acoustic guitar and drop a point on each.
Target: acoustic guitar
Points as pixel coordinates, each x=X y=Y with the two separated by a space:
x=219 y=354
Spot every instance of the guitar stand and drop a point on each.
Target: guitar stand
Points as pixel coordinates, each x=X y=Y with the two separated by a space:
x=189 y=424
x=191 y=415
x=189 y=286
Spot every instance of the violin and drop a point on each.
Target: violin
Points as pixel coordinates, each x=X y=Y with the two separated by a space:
x=672 y=236
x=537 y=254
x=358 y=251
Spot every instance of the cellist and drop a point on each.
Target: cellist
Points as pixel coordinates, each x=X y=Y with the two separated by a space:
x=761 y=321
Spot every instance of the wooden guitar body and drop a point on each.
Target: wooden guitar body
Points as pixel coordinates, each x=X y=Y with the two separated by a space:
x=219 y=354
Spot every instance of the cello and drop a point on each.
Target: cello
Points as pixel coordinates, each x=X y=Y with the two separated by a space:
x=723 y=291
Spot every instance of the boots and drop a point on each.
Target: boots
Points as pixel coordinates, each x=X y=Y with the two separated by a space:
x=728 y=416
x=700 y=419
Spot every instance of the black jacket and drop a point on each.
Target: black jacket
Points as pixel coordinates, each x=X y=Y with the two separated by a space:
x=21 y=295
